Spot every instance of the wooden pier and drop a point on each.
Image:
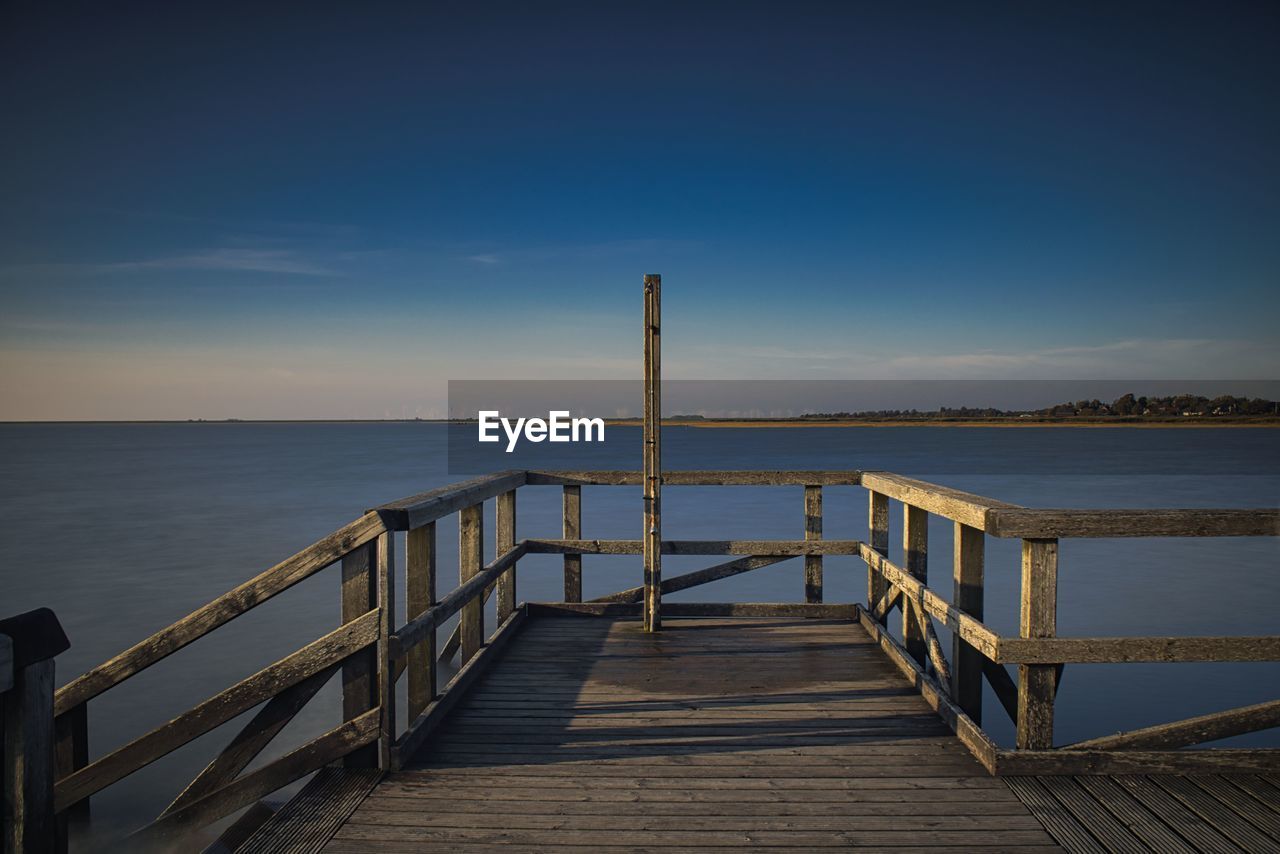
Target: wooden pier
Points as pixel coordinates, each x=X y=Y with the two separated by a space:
x=801 y=724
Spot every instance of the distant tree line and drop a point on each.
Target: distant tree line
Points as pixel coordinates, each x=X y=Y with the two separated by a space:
x=1127 y=406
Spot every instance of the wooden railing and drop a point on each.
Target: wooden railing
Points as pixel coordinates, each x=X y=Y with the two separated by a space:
x=372 y=652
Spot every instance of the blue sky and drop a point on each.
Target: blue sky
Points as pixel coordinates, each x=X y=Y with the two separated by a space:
x=229 y=212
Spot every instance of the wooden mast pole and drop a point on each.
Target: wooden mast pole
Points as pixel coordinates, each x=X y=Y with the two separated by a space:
x=652 y=453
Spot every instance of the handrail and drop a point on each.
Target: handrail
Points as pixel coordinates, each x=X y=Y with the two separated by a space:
x=412 y=632
x=372 y=654
x=222 y=610
x=417 y=510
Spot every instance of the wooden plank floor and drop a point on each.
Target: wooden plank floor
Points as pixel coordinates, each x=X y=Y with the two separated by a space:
x=1162 y=813
x=773 y=733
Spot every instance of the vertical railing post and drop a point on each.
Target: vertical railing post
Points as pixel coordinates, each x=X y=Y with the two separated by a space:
x=385 y=578
x=878 y=534
x=1037 y=683
x=915 y=550
x=359 y=672
x=420 y=595
x=573 y=531
x=652 y=453
x=966 y=662
x=27 y=751
x=813 y=531
x=71 y=729
x=505 y=540
x=470 y=562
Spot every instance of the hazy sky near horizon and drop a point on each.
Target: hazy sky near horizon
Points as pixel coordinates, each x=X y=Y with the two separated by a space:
x=238 y=210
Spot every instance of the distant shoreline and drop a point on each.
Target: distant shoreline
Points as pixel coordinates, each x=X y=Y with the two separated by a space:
x=758 y=423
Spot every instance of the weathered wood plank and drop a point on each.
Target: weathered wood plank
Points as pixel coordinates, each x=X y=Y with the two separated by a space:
x=294 y=765
x=696 y=547
x=813 y=531
x=949 y=503
x=695 y=609
x=1258 y=760
x=1122 y=649
x=693 y=579
x=1072 y=835
x=71 y=730
x=426 y=722
x=418 y=628
x=571 y=505
x=1225 y=820
x=252 y=739
x=972 y=630
x=311 y=817
x=505 y=540
x=225 y=608
x=359 y=672
x=1194 y=730
x=420 y=595
x=239 y=698
x=417 y=510
x=1037 y=684
x=652 y=458
x=915 y=550
x=878 y=533
x=470 y=564
x=1114 y=835
x=1190 y=826
x=695 y=478
x=385 y=575
x=1057 y=524
x=27 y=814
x=1140 y=821
x=969 y=733
x=968 y=558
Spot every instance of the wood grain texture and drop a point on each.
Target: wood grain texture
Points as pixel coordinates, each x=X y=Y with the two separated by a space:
x=696 y=478
x=1038 y=618
x=813 y=531
x=416 y=510
x=727 y=569
x=571 y=505
x=27 y=750
x=1054 y=524
x=1194 y=730
x=967 y=569
x=470 y=564
x=949 y=503
x=878 y=541
x=915 y=551
x=505 y=540
x=1125 y=649
x=807 y=757
x=420 y=596
x=651 y=533
x=789 y=548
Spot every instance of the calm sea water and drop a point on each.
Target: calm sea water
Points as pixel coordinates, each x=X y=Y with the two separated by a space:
x=124 y=528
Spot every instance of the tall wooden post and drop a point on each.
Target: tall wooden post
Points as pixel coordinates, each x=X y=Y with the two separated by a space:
x=572 y=506
x=915 y=549
x=385 y=582
x=505 y=542
x=966 y=662
x=652 y=453
x=878 y=531
x=1037 y=683
x=813 y=531
x=360 y=671
x=470 y=562
x=27 y=751
x=420 y=594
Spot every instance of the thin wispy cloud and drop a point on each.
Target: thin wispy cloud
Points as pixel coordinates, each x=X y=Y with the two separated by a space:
x=487 y=260
x=240 y=260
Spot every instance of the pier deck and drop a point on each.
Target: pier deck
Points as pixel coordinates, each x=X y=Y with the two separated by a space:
x=783 y=733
